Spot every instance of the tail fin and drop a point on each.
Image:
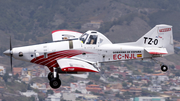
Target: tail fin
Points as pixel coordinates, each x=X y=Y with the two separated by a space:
x=158 y=37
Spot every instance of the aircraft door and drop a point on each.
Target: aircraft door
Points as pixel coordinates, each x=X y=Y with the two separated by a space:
x=91 y=45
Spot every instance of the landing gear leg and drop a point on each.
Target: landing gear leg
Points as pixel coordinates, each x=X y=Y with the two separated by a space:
x=54 y=80
x=50 y=76
x=164 y=68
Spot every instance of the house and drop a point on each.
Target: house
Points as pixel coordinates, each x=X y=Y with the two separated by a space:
x=30 y=93
x=66 y=89
x=135 y=91
x=79 y=86
x=17 y=70
x=159 y=78
x=148 y=99
x=2 y=70
x=123 y=91
x=155 y=88
x=54 y=97
x=40 y=86
x=177 y=67
x=94 y=88
x=1 y=88
x=68 y=96
x=93 y=24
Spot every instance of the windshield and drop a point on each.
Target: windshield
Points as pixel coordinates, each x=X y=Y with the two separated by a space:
x=84 y=37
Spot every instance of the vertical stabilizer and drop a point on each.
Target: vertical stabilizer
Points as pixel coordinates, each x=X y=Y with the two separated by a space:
x=158 y=37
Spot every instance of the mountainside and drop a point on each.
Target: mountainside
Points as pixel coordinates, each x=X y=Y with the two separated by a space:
x=31 y=22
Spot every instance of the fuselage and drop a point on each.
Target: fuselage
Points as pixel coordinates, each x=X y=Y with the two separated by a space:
x=47 y=53
x=92 y=47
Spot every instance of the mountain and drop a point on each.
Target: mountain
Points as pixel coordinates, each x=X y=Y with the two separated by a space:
x=31 y=22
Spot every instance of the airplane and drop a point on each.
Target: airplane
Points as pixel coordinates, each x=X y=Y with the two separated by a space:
x=73 y=52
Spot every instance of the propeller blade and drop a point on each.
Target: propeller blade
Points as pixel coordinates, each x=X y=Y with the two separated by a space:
x=11 y=54
x=10 y=44
x=11 y=61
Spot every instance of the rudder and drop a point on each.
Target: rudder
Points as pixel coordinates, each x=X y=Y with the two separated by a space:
x=158 y=37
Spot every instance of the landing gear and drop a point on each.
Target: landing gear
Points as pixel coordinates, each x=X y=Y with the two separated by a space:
x=55 y=83
x=50 y=76
x=164 y=68
x=54 y=80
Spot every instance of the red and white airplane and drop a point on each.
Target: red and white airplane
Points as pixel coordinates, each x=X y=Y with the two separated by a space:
x=73 y=52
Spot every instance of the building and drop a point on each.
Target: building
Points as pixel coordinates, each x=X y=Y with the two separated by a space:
x=79 y=86
x=30 y=93
x=135 y=91
x=155 y=88
x=159 y=78
x=17 y=70
x=94 y=88
x=68 y=96
x=95 y=24
x=148 y=99
x=2 y=89
x=40 y=86
x=54 y=97
x=2 y=70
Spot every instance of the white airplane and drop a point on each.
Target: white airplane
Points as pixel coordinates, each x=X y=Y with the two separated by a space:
x=73 y=52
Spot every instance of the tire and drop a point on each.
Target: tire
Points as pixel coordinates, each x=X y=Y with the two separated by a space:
x=164 y=68
x=55 y=83
x=50 y=76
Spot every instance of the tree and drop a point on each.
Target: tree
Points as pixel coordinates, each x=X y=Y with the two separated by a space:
x=29 y=87
x=89 y=83
x=16 y=76
x=119 y=96
x=124 y=84
x=6 y=76
x=93 y=76
x=145 y=92
x=147 y=70
x=77 y=91
x=50 y=92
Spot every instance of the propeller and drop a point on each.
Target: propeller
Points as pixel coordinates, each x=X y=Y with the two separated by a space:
x=9 y=53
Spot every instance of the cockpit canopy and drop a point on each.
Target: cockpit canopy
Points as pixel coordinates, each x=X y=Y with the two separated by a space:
x=94 y=37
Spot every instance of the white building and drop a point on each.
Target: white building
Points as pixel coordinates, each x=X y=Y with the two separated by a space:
x=155 y=88
x=159 y=78
x=79 y=86
x=2 y=70
x=54 y=97
x=30 y=93
x=148 y=99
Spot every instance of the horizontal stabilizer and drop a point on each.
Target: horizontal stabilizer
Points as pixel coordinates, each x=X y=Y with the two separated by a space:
x=73 y=65
x=156 y=50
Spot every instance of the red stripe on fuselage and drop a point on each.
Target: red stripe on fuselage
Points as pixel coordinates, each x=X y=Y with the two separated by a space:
x=156 y=53
x=52 y=57
x=77 y=69
x=65 y=30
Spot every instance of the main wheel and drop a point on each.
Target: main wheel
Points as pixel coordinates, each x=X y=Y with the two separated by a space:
x=164 y=68
x=55 y=83
x=50 y=76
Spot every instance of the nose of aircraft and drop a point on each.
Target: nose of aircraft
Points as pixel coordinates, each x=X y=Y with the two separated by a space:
x=7 y=52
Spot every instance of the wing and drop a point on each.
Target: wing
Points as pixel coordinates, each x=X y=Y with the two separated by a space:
x=74 y=65
x=65 y=34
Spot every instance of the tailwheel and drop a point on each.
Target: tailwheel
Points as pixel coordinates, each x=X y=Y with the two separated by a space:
x=164 y=68
x=55 y=83
x=50 y=76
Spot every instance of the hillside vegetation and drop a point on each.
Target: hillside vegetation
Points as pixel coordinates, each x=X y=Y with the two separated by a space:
x=31 y=22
